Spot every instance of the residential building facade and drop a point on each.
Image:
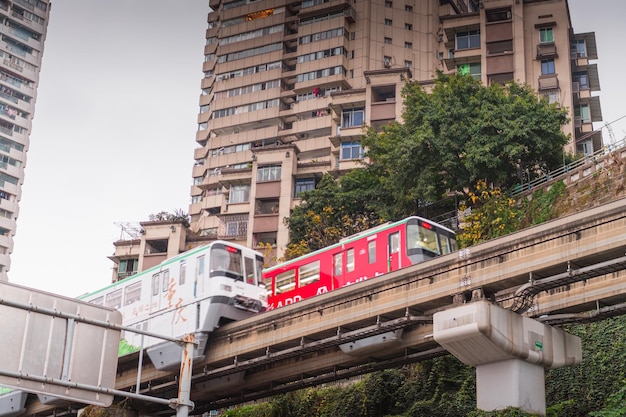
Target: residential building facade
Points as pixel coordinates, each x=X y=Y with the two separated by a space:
x=22 y=35
x=289 y=86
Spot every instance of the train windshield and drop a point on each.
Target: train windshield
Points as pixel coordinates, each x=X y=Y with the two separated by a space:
x=226 y=261
x=421 y=235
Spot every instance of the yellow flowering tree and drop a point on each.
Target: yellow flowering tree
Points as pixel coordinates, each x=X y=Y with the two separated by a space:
x=492 y=215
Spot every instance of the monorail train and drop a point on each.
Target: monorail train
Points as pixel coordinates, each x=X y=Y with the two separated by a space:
x=366 y=255
x=193 y=292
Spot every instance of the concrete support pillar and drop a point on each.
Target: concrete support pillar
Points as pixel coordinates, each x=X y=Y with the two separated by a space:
x=509 y=351
x=511 y=383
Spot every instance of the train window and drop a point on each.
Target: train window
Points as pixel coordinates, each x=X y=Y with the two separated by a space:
x=259 y=269
x=267 y=281
x=99 y=301
x=444 y=244
x=132 y=293
x=350 y=260
x=338 y=264
x=249 y=264
x=155 y=284
x=371 y=251
x=182 y=271
x=394 y=242
x=428 y=239
x=166 y=280
x=200 y=267
x=285 y=281
x=114 y=299
x=412 y=236
x=308 y=274
x=226 y=261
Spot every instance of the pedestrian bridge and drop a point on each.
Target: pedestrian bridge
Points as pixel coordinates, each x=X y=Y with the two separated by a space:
x=568 y=270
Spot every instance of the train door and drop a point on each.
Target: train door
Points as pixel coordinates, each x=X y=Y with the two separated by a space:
x=337 y=280
x=393 y=252
x=248 y=264
x=158 y=291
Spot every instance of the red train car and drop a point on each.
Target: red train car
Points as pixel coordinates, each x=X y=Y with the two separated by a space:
x=368 y=254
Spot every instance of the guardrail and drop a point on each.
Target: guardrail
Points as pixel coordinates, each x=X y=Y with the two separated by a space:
x=561 y=173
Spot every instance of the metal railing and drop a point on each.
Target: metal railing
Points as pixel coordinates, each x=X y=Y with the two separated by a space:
x=560 y=173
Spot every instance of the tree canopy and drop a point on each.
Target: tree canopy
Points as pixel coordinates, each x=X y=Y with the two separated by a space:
x=463 y=132
x=452 y=138
x=333 y=210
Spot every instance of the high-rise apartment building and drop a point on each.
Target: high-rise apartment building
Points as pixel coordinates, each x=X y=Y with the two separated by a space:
x=23 y=31
x=289 y=86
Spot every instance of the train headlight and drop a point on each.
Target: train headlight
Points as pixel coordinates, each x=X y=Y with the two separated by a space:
x=225 y=287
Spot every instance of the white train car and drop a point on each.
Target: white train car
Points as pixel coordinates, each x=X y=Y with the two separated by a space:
x=194 y=292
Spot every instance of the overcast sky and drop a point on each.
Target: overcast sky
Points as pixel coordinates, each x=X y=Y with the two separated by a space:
x=115 y=122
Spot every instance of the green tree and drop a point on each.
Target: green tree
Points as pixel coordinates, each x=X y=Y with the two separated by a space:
x=463 y=132
x=333 y=210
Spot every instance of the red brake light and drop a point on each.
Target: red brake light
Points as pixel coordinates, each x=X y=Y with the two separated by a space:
x=427 y=225
x=231 y=249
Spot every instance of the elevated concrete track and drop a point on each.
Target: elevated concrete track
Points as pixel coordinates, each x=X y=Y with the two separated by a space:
x=571 y=269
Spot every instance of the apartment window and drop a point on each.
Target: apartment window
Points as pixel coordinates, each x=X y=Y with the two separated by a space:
x=502 y=78
x=408 y=8
x=236 y=228
x=353 y=117
x=388 y=4
x=547 y=66
x=408 y=26
x=470 y=69
x=302 y=185
x=388 y=41
x=468 y=40
x=127 y=267
x=552 y=96
x=268 y=173
x=579 y=48
x=582 y=79
x=387 y=61
x=408 y=64
x=239 y=194
x=327 y=72
x=388 y=22
x=266 y=206
x=351 y=150
x=320 y=36
x=408 y=45
x=583 y=113
x=546 y=35
x=498 y=15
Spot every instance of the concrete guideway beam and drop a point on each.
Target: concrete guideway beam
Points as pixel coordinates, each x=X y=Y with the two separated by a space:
x=509 y=352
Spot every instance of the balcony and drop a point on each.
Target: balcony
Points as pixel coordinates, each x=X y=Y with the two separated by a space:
x=546 y=50
x=498 y=31
x=265 y=223
x=548 y=82
x=385 y=110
